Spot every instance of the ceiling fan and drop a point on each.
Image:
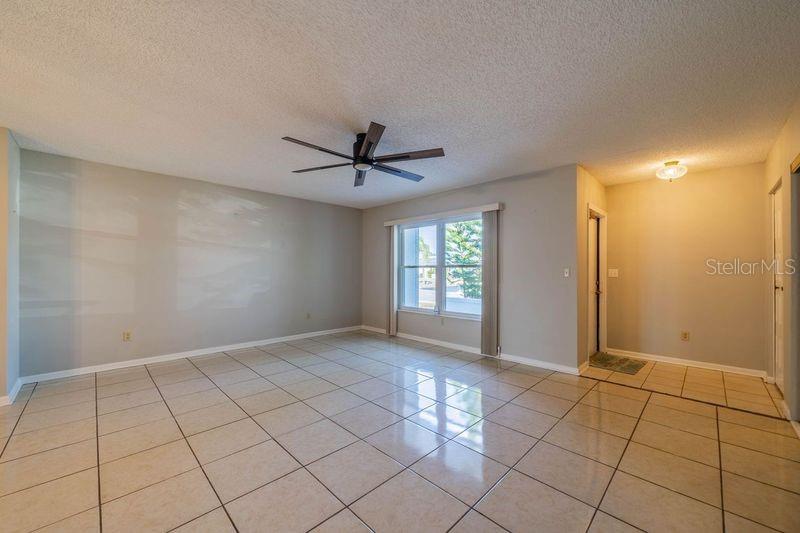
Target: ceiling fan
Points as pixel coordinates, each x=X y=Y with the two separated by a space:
x=364 y=160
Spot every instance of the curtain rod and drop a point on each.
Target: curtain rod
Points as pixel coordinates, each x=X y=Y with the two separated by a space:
x=464 y=211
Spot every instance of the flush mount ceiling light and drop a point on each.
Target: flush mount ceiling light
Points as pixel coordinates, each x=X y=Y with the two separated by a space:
x=671 y=171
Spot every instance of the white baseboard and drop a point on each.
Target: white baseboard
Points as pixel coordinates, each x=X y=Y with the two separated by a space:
x=454 y=346
x=172 y=356
x=688 y=362
x=783 y=407
x=539 y=363
x=12 y=394
x=471 y=349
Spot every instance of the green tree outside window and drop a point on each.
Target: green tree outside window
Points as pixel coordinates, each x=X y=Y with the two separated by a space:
x=463 y=247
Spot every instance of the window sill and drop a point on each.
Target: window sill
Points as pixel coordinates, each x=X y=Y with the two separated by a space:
x=431 y=314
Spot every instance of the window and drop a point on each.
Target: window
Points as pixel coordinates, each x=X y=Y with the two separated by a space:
x=440 y=266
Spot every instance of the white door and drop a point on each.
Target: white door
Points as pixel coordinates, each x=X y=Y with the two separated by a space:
x=778 y=266
x=593 y=288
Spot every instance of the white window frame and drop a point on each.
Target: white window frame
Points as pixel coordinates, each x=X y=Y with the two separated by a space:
x=440 y=266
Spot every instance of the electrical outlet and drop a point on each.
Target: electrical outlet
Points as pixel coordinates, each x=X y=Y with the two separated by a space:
x=684 y=335
x=126 y=336
x=613 y=272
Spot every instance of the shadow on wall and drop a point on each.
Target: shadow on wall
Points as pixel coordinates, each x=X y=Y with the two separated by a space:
x=182 y=264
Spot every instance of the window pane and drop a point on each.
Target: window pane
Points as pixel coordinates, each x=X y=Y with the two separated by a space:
x=463 y=242
x=418 y=287
x=419 y=246
x=463 y=290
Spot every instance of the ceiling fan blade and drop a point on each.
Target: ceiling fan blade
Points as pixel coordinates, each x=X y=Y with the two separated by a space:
x=315 y=147
x=399 y=173
x=360 y=176
x=321 y=168
x=371 y=140
x=407 y=156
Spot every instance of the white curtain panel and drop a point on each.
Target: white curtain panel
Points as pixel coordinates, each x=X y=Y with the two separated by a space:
x=489 y=337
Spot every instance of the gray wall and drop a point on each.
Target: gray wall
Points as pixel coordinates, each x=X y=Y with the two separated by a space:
x=538 y=305
x=446 y=329
x=183 y=264
x=9 y=262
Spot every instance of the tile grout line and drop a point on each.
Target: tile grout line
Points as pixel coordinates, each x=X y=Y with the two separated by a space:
x=403 y=388
x=619 y=461
x=681 y=396
x=508 y=401
x=360 y=439
x=538 y=440
x=721 y=508
x=485 y=377
x=724 y=395
x=511 y=468
x=562 y=418
x=331 y=453
x=446 y=441
x=16 y=423
x=774 y=400
x=719 y=452
x=301 y=467
x=629 y=440
x=97 y=451
x=683 y=381
x=60 y=477
x=190 y=448
x=49 y=449
x=196 y=518
x=132 y=454
x=378 y=377
x=405 y=468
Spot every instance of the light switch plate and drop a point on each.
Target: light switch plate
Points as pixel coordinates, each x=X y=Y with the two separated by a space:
x=613 y=272
x=566 y=272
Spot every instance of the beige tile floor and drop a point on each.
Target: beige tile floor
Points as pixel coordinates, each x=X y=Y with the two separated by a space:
x=747 y=393
x=354 y=432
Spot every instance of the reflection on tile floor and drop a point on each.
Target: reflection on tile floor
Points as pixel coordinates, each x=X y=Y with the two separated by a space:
x=355 y=431
x=748 y=393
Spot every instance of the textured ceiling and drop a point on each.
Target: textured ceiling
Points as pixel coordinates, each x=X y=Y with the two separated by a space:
x=206 y=89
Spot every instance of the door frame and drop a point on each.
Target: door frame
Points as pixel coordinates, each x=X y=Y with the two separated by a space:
x=601 y=215
x=773 y=283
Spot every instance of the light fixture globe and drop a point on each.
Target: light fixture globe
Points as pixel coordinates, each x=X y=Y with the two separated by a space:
x=671 y=170
x=362 y=166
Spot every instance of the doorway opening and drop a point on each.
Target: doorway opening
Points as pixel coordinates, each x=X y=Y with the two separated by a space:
x=596 y=287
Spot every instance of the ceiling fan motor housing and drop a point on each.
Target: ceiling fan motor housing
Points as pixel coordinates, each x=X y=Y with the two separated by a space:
x=360 y=163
